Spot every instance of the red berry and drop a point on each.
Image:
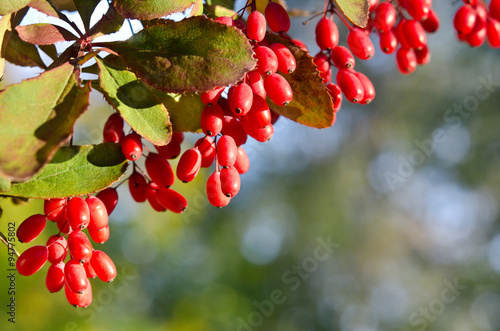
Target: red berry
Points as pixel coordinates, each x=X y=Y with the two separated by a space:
x=76 y=299
x=257 y=84
x=493 y=32
x=360 y=44
x=336 y=94
x=206 y=147
x=89 y=271
x=322 y=62
x=109 y=197
x=171 y=200
x=418 y=9
x=63 y=226
x=267 y=61
x=431 y=24
x=423 y=55
x=240 y=101
x=98 y=213
x=230 y=181
x=368 y=88
x=55 y=209
x=57 y=248
x=55 y=277
x=103 y=266
x=32 y=260
x=286 y=60
x=79 y=246
x=173 y=149
x=214 y=191
x=327 y=34
x=259 y=134
x=342 y=57
x=99 y=236
x=31 y=227
x=495 y=9
x=259 y=115
x=76 y=277
x=242 y=163
x=159 y=170
x=232 y=127
x=478 y=35
x=278 y=89
x=277 y=17
x=406 y=60
x=388 y=42
x=113 y=128
x=224 y=20
x=189 y=165
x=226 y=151
x=385 y=16
x=414 y=34
x=132 y=146
x=152 y=196
x=211 y=120
x=256 y=26
x=211 y=97
x=350 y=86
x=78 y=213
x=465 y=19
x=137 y=186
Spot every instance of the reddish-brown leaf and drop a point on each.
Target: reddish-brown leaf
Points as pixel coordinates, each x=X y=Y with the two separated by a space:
x=44 y=34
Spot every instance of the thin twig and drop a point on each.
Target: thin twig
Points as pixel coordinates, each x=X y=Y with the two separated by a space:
x=9 y=245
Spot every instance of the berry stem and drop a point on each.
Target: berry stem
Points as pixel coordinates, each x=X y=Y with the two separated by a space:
x=342 y=18
x=9 y=245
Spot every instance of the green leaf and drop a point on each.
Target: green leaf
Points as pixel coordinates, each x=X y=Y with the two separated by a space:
x=10 y=6
x=44 y=7
x=44 y=34
x=197 y=8
x=195 y=54
x=22 y=53
x=4 y=184
x=85 y=9
x=135 y=102
x=184 y=110
x=4 y=40
x=149 y=9
x=356 y=11
x=73 y=171
x=50 y=50
x=109 y=23
x=218 y=11
x=311 y=104
x=38 y=116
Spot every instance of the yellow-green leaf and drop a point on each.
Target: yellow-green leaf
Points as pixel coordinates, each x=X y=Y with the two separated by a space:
x=356 y=11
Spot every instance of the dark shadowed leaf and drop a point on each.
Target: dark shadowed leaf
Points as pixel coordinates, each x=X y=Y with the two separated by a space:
x=4 y=40
x=356 y=11
x=311 y=104
x=149 y=9
x=10 y=6
x=109 y=23
x=73 y=171
x=37 y=117
x=22 y=53
x=184 y=110
x=195 y=54
x=86 y=8
x=44 y=34
x=50 y=50
x=135 y=102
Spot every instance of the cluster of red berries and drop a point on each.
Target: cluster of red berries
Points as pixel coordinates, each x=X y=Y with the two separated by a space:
x=72 y=217
x=475 y=23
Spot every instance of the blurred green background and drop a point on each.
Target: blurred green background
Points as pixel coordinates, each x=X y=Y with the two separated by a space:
x=386 y=221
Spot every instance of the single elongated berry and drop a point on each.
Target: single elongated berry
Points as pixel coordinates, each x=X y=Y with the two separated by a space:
x=226 y=151
x=267 y=62
x=189 y=165
x=415 y=34
x=159 y=170
x=172 y=200
x=113 y=128
x=78 y=213
x=368 y=88
x=385 y=16
x=400 y=33
x=418 y=9
x=493 y=32
x=241 y=100
x=406 y=60
x=342 y=57
x=55 y=277
x=75 y=276
x=388 y=41
x=136 y=185
x=89 y=271
x=76 y=299
x=206 y=146
x=214 y=192
x=211 y=120
x=98 y=213
x=230 y=181
x=103 y=266
x=79 y=246
x=31 y=227
x=431 y=23
x=465 y=19
x=232 y=127
x=257 y=84
x=327 y=34
x=286 y=60
x=57 y=248
x=99 y=236
x=132 y=146
x=278 y=89
x=109 y=197
x=322 y=62
x=259 y=134
x=494 y=9
x=32 y=260
x=259 y=115
x=360 y=44
x=336 y=94
x=423 y=55
x=242 y=163
x=256 y=26
x=350 y=86
x=277 y=17
x=211 y=97
x=55 y=209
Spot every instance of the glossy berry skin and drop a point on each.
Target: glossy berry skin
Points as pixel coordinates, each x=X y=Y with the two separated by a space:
x=103 y=266
x=113 y=128
x=241 y=100
x=214 y=192
x=99 y=236
x=151 y=194
x=256 y=83
x=57 y=248
x=322 y=62
x=465 y=19
x=478 y=35
x=242 y=163
x=211 y=97
x=55 y=209
x=368 y=88
x=493 y=33
x=171 y=150
x=259 y=134
x=32 y=260
x=385 y=16
x=350 y=86
x=132 y=146
x=336 y=94
x=327 y=34
x=98 y=213
x=431 y=24
x=423 y=55
x=418 y=9
x=230 y=181
x=226 y=151
x=109 y=197
x=256 y=26
x=31 y=227
x=63 y=226
x=136 y=185
x=78 y=213
x=224 y=20
x=159 y=170
x=494 y=9
x=232 y=127
x=388 y=42
x=259 y=115
x=189 y=165
x=172 y=200
x=278 y=89
x=267 y=61
x=206 y=146
x=211 y=120
x=414 y=34
x=76 y=299
x=286 y=60
x=277 y=17
x=79 y=246
x=406 y=60
x=89 y=271
x=55 y=277
x=360 y=44
x=76 y=277
x=342 y=58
